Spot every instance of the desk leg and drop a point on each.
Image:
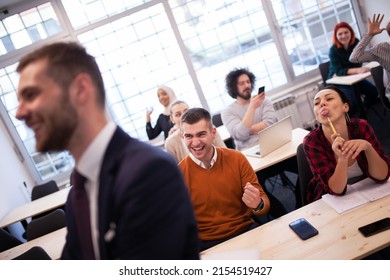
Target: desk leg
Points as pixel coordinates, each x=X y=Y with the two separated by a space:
x=362 y=110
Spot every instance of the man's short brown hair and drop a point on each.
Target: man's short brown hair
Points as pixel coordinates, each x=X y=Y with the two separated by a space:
x=65 y=60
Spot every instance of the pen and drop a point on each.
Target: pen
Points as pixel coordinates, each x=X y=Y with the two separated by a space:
x=331 y=126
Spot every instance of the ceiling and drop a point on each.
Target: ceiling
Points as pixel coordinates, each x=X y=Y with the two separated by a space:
x=8 y=3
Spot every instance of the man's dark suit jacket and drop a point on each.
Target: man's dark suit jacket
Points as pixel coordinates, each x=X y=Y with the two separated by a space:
x=144 y=207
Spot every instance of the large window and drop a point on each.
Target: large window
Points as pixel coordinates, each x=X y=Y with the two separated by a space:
x=189 y=45
x=136 y=54
x=307 y=29
x=27 y=27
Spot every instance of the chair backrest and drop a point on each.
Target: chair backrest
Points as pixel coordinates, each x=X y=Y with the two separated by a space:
x=304 y=173
x=324 y=71
x=7 y=241
x=46 y=224
x=377 y=76
x=44 y=189
x=217 y=120
x=34 y=253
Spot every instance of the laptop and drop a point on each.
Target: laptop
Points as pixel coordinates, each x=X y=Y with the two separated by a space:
x=274 y=137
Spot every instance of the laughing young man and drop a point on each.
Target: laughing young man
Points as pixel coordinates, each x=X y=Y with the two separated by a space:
x=224 y=189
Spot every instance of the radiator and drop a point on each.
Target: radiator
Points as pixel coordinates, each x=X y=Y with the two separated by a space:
x=287 y=107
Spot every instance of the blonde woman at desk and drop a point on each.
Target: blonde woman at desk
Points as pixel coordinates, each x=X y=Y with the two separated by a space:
x=174 y=143
x=341 y=148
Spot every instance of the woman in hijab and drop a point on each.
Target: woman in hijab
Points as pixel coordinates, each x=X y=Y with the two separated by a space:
x=166 y=96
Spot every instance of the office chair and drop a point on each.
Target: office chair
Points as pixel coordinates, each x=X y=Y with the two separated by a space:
x=304 y=173
x=324 y=71
x=34 y=253
x=40 y=191
x=217 y=121
x=7 y=240
x=377 y=76
x=44 y=189
x=46 y=224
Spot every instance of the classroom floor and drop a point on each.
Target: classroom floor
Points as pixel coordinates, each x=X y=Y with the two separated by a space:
x=287 y=196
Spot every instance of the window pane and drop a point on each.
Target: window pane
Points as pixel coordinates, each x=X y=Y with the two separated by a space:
x=84 y=12
x=308 y=27
x=13 y=24
x=3 y=32
x=21 y=39
x=30 y=17
x=222 y=35
x=21 y=30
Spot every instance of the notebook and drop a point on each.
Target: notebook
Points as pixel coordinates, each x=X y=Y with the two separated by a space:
x=274 y=136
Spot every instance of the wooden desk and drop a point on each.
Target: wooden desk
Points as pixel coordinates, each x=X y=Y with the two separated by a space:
x=36 y=207
x=52 y=243
x=338 y=236
x=286 y=151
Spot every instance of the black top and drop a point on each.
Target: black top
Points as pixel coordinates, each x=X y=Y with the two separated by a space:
x=163 y=124
x=339 y=60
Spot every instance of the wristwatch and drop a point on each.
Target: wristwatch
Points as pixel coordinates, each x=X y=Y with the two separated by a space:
x=261 y=205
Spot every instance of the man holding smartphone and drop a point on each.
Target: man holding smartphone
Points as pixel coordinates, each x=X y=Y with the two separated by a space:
x=245 y=118
x=248 y=115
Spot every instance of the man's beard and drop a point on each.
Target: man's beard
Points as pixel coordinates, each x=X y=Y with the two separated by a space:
x=60 y=129
x=246 y=95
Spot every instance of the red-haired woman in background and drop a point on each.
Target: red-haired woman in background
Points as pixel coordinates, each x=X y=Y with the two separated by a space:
x=344 y=41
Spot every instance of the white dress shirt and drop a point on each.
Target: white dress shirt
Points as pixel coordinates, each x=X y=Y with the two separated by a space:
x=89 y=166
x=201 y=164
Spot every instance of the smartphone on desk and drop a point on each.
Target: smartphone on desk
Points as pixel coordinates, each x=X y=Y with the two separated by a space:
x=261 y=90
x=303 y=228
x=375 y=227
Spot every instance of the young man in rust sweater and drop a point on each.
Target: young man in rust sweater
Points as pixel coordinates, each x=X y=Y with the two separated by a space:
x=224 y=189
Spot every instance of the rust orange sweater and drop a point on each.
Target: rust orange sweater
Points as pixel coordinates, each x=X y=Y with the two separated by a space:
x=216 y=194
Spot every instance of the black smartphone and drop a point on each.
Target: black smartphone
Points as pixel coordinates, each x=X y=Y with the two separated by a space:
x=261 y=89
x=303 y=228
x=375 y=227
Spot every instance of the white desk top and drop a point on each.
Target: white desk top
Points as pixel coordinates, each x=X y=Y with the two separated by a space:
x=338 y=236
x=52 y=243
x=352 y=79
x=348 y=80
x=36 y=207
x=286 y=151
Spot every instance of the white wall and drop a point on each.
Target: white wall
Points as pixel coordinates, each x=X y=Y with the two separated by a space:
x=13 y=176
x=370 y=8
